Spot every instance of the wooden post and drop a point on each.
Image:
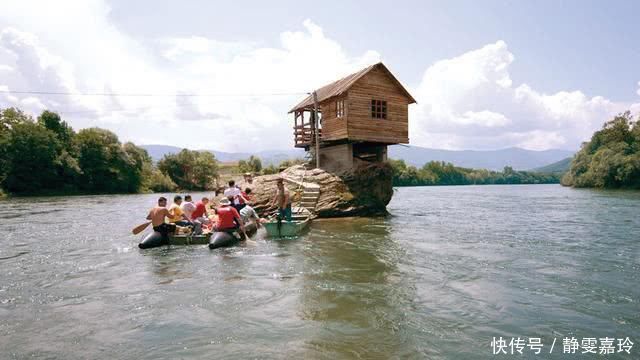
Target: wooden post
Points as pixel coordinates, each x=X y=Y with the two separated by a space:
x=316 y=123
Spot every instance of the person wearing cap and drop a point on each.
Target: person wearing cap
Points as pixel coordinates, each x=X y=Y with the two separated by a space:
x=229 y=220
x=282 y=200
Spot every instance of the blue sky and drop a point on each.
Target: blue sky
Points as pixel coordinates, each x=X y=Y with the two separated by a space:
x=588 y=45
x=486 y=74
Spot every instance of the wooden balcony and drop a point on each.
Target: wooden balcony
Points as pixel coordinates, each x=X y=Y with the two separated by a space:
x=303 y=135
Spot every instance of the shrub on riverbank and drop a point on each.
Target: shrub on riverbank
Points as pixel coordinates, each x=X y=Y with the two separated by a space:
x=45 y=156
x=442 y=173
x=611 y=159
x=193 y=170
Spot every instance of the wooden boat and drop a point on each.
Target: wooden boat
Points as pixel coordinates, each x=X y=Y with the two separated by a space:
x=202 y=239
x=189 y=239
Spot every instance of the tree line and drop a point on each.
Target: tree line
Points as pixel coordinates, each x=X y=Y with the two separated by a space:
x=443 y=173
x=611 y=159
x=46 y=156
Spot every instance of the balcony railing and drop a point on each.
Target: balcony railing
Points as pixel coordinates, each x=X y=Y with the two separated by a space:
x=303 y=135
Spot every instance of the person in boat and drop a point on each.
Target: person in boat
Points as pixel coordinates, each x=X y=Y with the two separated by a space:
x=177 y=216
x=157 y=216
x=247 y=197
x=229 y=219
x=188 y=207
x=282 y=200
x=249 y=215
x=233 y=192
x=199 y=216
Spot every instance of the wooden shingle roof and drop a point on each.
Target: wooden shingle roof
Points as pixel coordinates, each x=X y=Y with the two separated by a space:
x=340 y=86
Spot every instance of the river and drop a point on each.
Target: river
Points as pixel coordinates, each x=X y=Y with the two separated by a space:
x=450 y=269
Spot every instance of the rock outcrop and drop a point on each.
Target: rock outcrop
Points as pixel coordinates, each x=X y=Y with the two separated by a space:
x=363 y=191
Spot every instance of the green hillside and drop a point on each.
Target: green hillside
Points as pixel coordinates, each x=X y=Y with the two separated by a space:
x=558 y=167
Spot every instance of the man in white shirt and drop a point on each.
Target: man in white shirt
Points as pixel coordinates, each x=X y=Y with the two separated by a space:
x=233 y=191
x=188 y=206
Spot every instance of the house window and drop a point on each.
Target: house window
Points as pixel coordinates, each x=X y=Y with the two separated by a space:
x=339 y=108
x=378 y=109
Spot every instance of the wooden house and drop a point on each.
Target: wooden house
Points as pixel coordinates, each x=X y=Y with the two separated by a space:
x=359 y=115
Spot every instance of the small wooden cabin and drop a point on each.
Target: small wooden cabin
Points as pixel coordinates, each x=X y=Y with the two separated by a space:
x=359 y=115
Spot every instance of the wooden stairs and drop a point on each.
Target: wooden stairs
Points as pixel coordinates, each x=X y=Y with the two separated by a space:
x=310 y=193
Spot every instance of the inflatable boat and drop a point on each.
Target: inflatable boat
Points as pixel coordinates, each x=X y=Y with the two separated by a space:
x=225 y=239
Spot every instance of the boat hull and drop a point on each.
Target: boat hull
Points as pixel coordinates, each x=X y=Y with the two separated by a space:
x=225 y=239
x=286 y=228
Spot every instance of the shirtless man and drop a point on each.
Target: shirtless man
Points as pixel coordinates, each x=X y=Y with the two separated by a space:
x=157 y=216
x=282 y=200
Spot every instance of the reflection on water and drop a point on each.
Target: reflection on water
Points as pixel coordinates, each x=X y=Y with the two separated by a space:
x=452 y=267
x=352 y=287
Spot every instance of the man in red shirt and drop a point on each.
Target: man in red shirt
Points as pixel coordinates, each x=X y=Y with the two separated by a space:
x=199 y=215
x=229 y=219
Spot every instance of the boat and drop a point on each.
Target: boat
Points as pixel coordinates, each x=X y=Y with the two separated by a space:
x=224 y=239
x=301 y=218
x=278 y=229
x=154 y=239
x=202 y=239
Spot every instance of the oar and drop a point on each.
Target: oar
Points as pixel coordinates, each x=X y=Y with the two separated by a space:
x=140 y=228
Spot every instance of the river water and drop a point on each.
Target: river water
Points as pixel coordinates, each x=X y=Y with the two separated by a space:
x=450 y=269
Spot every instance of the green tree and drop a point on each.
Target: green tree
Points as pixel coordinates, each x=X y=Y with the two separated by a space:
x=252 y=165
x=269 y=170
x=441 y=173
x=192 y=170
x=31 y=159
x=610 y=159
x=9 y=117
x=63 y=131
x=107 y=166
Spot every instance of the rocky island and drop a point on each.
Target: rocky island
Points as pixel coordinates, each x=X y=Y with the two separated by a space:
x=362 y=191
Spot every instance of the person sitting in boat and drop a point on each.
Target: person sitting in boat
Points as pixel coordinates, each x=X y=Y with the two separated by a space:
x=188 y=207
x=177 y=216
x=249 y=215
x=157 y=216
x=282 y=200
x=229 y=219
x=199 y=215
x=234 y=192
x=246 y=195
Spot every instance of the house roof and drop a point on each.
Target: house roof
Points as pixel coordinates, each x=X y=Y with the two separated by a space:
x=340 y=86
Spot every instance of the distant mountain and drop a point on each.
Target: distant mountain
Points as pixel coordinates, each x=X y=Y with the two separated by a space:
x=558 y=167
x=268 y=157
x=518 y=159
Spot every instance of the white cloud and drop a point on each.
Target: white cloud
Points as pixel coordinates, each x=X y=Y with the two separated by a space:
x=74 y=47
x=470 y=102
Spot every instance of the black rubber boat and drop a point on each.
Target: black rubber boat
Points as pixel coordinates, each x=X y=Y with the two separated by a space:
x=152 y=240
x=224 y=239
x=215 y=240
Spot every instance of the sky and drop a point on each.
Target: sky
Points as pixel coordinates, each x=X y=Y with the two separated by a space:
x=222 y=75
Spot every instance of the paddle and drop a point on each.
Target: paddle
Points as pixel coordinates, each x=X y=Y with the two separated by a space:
x=140 y=228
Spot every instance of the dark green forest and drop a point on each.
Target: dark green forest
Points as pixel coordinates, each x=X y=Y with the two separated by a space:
x=611 y=159
x=442 y=173
x=46 y=156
